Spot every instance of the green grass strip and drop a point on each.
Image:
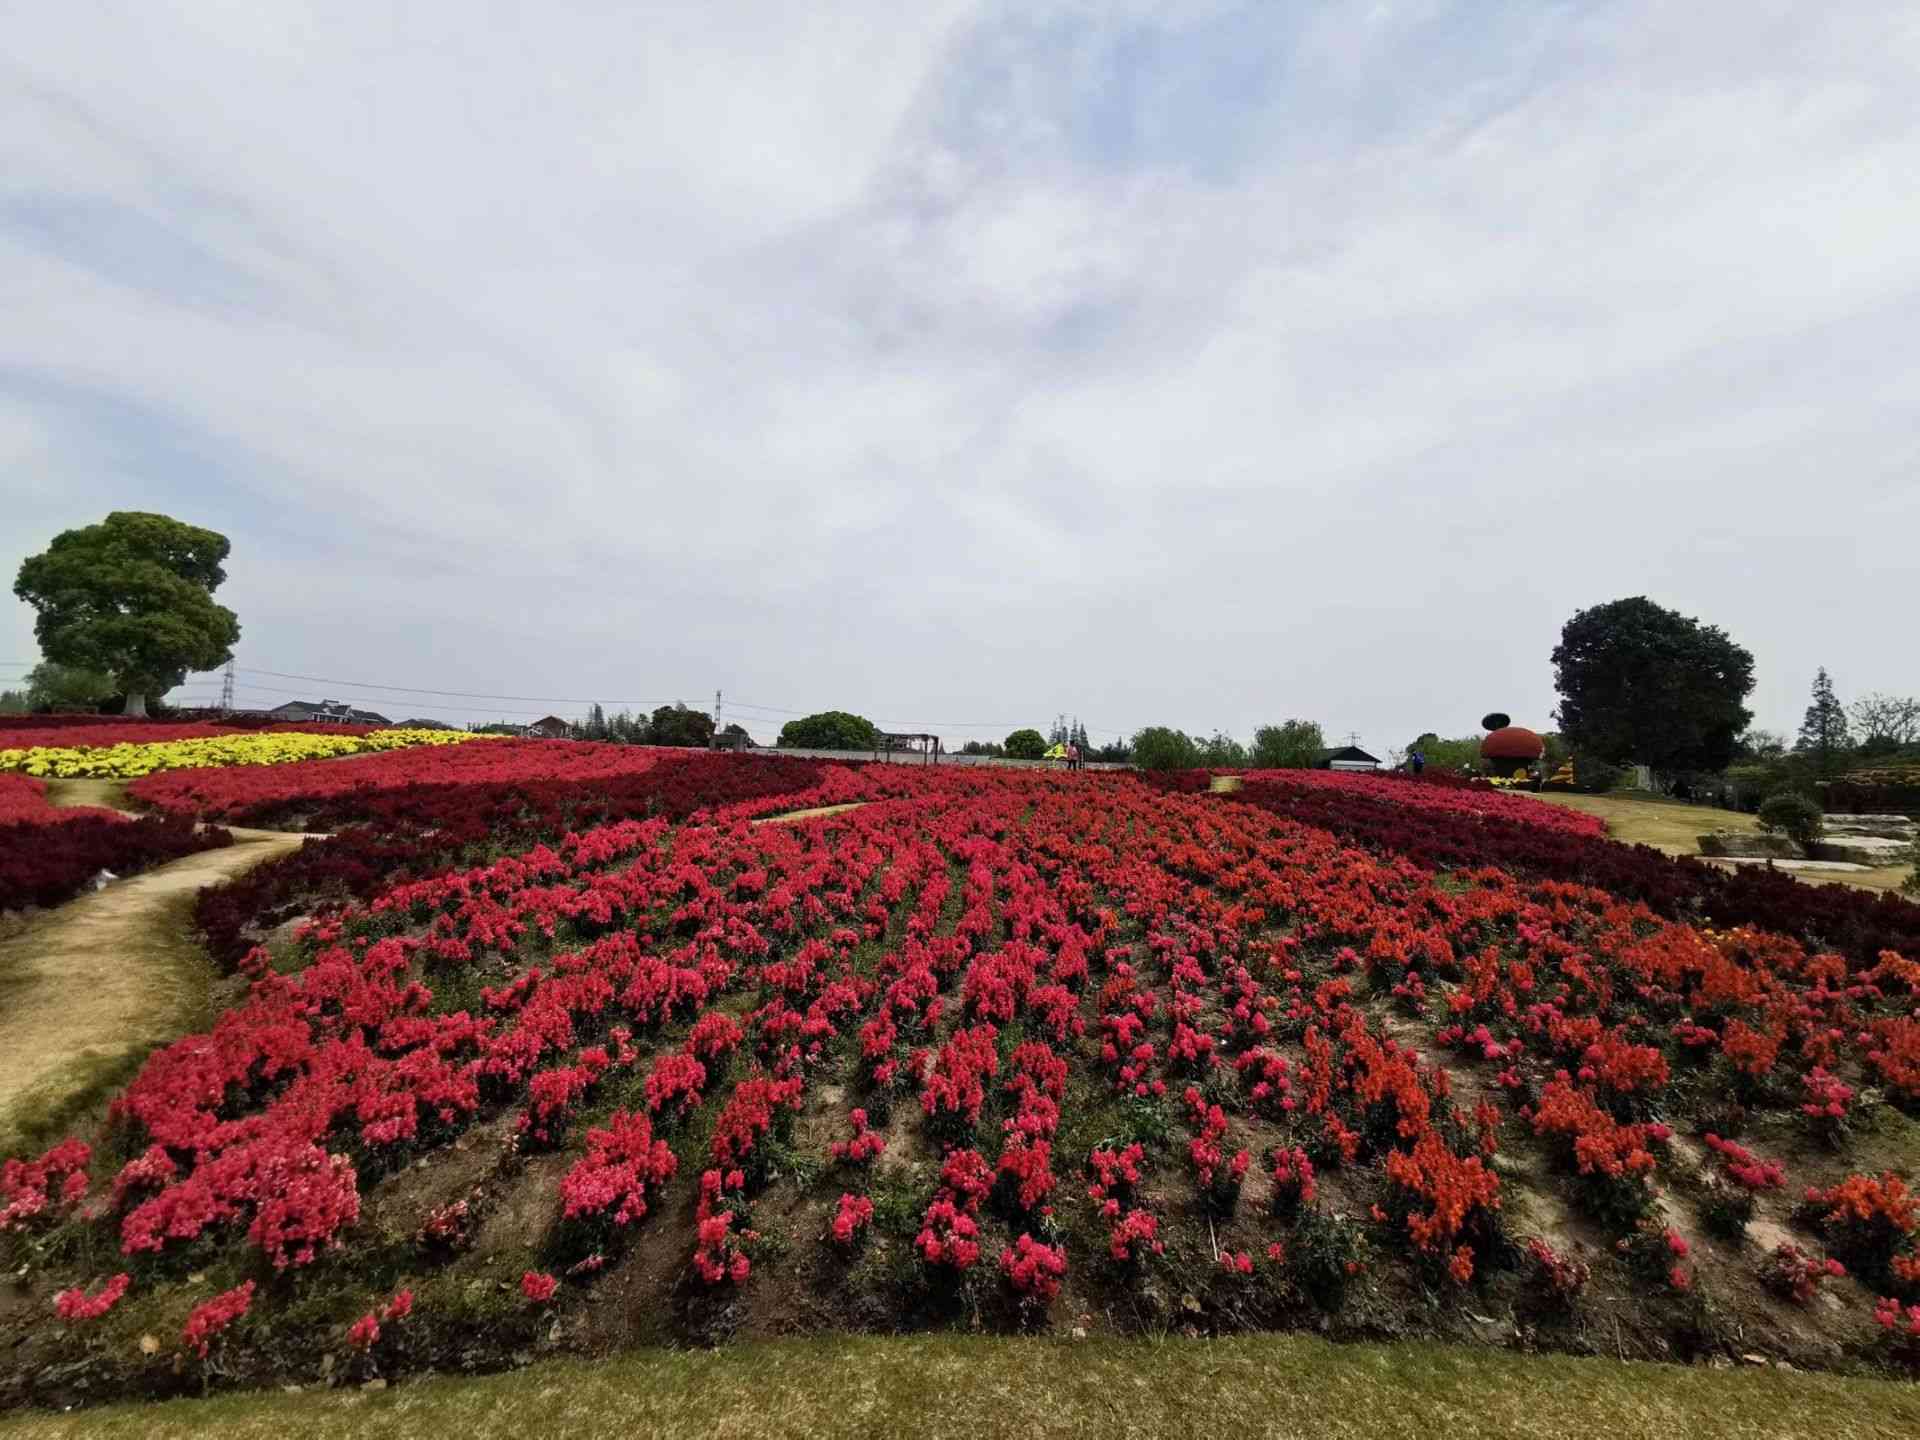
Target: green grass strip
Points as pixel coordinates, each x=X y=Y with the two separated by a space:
x=970 y=1388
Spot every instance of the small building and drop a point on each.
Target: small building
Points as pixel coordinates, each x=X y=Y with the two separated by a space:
x=325 y=712
x=1346 y=757
x=549 y=727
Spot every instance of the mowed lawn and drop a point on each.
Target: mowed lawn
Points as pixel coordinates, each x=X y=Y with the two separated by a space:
x=1675 y=827
x=970 y=1388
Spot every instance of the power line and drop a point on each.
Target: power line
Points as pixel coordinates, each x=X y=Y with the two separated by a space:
x=450 y=694
x=402 y=691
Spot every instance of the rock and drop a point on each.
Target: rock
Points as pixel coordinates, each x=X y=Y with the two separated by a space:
x=1745 y=844
x=1898 y=827
x=1846 y=827
x=1864 y=850
x=1752 y=1359
x=377 y=1383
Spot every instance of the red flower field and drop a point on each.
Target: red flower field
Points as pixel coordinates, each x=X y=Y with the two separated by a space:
x=991 y=1048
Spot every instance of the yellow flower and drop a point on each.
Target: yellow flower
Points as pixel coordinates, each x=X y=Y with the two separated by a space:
x=128 y=762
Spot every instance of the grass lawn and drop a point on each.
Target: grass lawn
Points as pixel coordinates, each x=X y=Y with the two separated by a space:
x=1640 y=819
x=1675 y=827
x=977 y=1387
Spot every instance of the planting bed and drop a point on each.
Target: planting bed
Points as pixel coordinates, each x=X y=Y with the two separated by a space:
x=48 y=854
x=1005 y=1050
x=89 y=753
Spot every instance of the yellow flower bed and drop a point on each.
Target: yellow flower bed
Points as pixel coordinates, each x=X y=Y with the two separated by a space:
x=128 y=762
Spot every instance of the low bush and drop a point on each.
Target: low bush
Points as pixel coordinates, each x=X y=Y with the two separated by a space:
x=1789 y=813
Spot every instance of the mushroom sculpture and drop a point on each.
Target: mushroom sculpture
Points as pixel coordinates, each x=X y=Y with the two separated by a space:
x=1509 y=749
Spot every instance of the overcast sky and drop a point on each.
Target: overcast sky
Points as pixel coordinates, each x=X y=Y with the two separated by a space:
x=959 y=364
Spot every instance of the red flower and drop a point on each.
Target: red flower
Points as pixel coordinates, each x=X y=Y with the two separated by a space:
x=76 y=1304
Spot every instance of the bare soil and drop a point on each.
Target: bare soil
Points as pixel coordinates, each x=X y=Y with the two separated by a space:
x=90 y=987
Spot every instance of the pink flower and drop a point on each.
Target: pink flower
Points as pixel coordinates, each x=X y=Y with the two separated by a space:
x=214 y=1316
x=76 y=1304
x=538 y=1287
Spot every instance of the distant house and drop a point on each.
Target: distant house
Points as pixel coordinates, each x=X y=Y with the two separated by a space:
x=1346 y=757
x=325 y=712
x=549 y=727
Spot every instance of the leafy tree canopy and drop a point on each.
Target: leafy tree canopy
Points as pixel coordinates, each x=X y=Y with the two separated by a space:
x=133 y=597
x=66 y=687
x=1222 y=752
x=1462 y=752
x=1292 y=745
x=1641 y=683
x=1159 y=748
x=1026 y=744
x=677 y=725
x=830 y=730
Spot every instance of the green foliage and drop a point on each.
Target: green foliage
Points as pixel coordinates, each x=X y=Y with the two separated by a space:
x=1460 y=753
x=132 y=596
x=1223 y=752
x=990 y=748
x=1026 y=744
x=1594 y=776
x=1293 y=745
x=1114 y=752
x=1825 y=737
x=677 y=725
x=830 y=730
x=1160 y=748
x=1639 y=682
x=66 y=687
x=13 y=702
x=1789 y=813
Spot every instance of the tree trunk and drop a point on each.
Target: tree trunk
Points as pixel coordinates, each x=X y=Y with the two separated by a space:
x=136 y=705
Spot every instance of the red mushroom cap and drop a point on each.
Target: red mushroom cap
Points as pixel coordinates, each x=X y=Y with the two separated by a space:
x=1513 y=742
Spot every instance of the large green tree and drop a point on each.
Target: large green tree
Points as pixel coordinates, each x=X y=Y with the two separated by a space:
x=830 y=730
x=1641 y=683
x=1222 y=752
x=1294 y=745
x=1159 y=748
x=1028 y=744
x=677 y=725
x=132 y=596
x=1825 y=737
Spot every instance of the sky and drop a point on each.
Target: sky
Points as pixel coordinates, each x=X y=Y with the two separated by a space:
x=964 y=364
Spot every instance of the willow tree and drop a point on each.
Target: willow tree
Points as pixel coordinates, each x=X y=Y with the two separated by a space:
x=133 y=597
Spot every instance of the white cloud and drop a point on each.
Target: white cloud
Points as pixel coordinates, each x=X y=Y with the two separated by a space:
x=1196 y=363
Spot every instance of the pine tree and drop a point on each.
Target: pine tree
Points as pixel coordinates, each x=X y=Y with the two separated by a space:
x=1824 y=734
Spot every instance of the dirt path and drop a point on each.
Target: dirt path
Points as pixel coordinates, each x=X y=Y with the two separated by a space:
x=814 y=814
x=87 y=989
